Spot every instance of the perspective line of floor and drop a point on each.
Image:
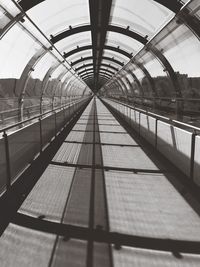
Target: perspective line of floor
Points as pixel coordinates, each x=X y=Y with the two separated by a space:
x=142 y=204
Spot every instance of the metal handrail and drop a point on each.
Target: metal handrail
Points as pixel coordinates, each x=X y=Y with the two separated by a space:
x=159 y=117
x=173 y=98
x=35 y=117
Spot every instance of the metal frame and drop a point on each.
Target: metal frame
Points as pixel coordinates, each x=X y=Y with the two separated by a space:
x=174 y=6
x=89 y=73
x=89 y=47
x=111 y=28
x=134 y=36
x=91 y=64
x=85 y=70
x=112 y=59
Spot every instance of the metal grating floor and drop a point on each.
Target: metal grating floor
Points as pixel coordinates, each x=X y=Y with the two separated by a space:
x=102 y=187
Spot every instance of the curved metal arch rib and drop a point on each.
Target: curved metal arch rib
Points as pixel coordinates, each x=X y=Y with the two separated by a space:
x=112 y=59
x=91 y=64
x=86 y=70
x=101 y=76
x=102 y=79
x=106 y=47
x=111 y=28
x=92 y=75
x=174 y=6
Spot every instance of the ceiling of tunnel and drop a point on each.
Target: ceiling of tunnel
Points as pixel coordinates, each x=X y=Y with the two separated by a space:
x=97 y=44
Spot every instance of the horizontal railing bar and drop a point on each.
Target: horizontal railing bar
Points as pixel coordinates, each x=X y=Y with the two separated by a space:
x=36 y=117
x=162 y=118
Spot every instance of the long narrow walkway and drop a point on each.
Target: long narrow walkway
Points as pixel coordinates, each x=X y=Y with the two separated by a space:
x=102 y=201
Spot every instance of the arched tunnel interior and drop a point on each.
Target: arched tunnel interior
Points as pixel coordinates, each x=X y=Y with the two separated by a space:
x=99 y=133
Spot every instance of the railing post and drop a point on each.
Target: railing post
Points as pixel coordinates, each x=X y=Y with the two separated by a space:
x=139 y=124
x=8 y=168
x=179 y=109
x=55 y=123
x=20 y=109
x=2 y=119
x=64 y=116
x=41 y=99
x=156 y=133
x=193 y=139
x=41 y=141
x=52 y=103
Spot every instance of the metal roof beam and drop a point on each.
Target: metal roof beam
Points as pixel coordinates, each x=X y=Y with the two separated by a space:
x=111 y=28
x=112 y=59
x=102 y=64
x=174 y=6
x=90 y=73
x=85 y=70
x=106 y=47
x=99 y=18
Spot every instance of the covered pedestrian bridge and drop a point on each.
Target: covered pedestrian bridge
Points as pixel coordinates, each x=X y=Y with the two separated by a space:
x=99 y=133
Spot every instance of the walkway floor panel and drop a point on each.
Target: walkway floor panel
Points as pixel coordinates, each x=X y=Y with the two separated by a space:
x=100 y=218
x=86 y=155
x=126 y=157
x=148 y=205
x=101 y=255
x=113 y=128
x=22 y=247
x=133 y=197
x=82 y=127
x=72 y=253
x=75 y=136
x=77 y=211
x=49 y=195
x=130 y=257
x=121 y=139
x=68 y=153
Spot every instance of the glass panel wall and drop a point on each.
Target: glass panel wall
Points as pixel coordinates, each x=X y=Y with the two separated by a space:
x=51 y=15
x=138 y=15
x=180 y=46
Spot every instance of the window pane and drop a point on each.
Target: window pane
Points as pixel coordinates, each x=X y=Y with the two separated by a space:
x=80 y=39
x=138 y=15
x=182 y=49
x=51 y=17
x=124 y=42
x=16 y=49
x=163 y=83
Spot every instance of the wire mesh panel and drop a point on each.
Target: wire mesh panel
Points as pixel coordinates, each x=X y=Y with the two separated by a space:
x=71 y=252
x=130 y=257
x=68 y=153
x=148 y=127
x=3 y=172
x=75 y=137
x=48 y=129
x=135 y=119
x=24 y=144
x=78 y=207
x=67 y=113
x=126 y=157
x=175 y=144
x=197 y=161
x=22 y=247
x=119 y=138
x=60 y=119
x=49 y=195
x=148 y=205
